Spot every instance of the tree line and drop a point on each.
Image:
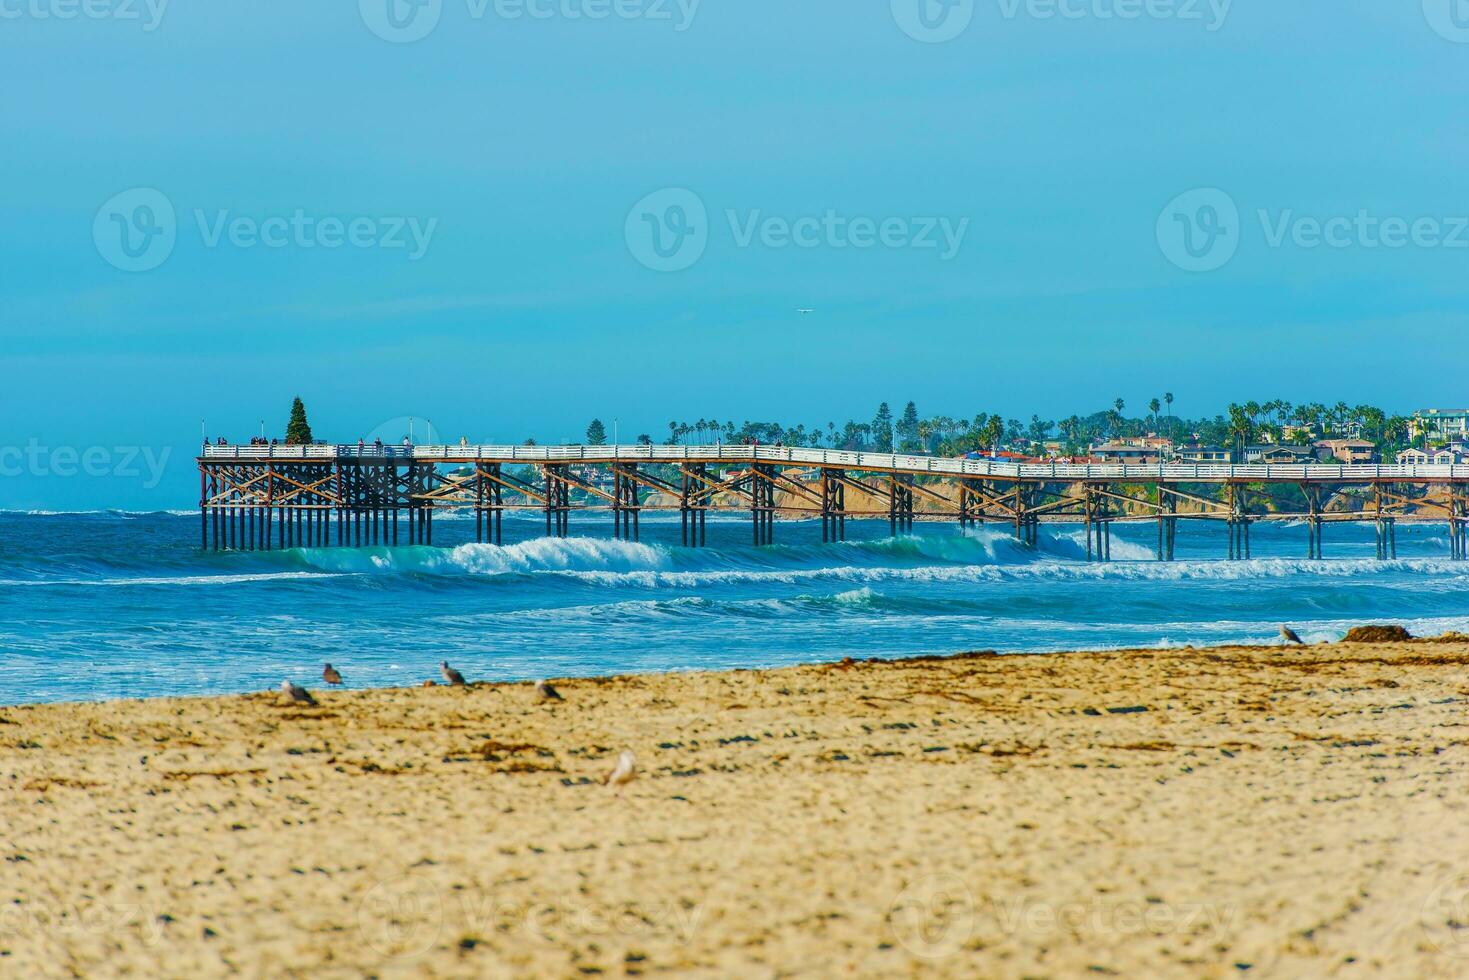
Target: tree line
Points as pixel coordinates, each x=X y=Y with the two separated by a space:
x=1276 y=420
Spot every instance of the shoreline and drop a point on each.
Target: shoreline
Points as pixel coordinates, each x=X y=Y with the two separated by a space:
x=430 y=677
x=1173 y=812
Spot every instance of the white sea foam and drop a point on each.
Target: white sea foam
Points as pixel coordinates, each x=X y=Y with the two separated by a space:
x=1271 y=568
x=538 y=555
x=175 y=580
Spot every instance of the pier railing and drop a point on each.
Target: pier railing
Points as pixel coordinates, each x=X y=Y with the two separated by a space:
x=836 y=458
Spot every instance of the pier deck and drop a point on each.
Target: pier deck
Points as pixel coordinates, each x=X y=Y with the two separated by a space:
x=254 y=496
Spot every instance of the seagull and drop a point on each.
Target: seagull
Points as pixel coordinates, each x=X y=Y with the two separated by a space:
x=331 y=675
x=545 y=692
x=1290 y=635
x=803 y=311
x=623 y=772
x=451 y=675
x=296 y=693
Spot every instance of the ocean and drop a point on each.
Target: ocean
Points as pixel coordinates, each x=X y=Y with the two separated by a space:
x=113 y=604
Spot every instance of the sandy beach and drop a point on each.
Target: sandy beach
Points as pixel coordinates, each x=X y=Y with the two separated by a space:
x=1192 y=813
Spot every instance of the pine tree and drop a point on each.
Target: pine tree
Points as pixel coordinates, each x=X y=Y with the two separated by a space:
x=882 y=429
x=596 y=433
x=298 y=430
x=908 y=430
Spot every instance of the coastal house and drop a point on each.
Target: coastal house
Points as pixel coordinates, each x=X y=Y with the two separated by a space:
x=1429 y=457
x=1278 y=455
x=1126 y=452
x=1152 y=440
x=1197 y=452
x=1439 y=423
x=1353 y=452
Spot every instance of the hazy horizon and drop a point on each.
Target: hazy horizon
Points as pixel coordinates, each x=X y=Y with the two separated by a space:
x=1035 y=215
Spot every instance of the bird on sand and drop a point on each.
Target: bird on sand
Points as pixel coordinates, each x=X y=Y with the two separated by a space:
x=451 y=675
x=545 y=692
x=296 y=693
x=331 y=675
x=623 y=772
x=1290 y=635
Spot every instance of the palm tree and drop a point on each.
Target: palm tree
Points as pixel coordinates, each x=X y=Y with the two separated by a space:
x=1154 y=406
x=1069 y=427
x=1372 y=418
x=1395 y=429
x=993 y=430
x=1240 y=425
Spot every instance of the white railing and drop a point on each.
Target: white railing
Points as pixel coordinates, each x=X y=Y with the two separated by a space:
x=841 y=459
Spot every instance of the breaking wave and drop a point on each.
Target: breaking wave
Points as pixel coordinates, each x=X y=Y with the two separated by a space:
x=134 y=606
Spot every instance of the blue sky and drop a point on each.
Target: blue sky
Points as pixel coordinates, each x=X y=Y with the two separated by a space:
x=519 y=147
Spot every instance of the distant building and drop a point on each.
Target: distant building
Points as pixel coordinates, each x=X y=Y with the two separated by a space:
x=1296 y=433
x=1345 y=430
x=1151 y=448
x=1281 y=455
x=1439 y=423
x=1153 y=441
x=1196 y=452
x=1350 y=451
x=1125 y=452
x=1430 y=457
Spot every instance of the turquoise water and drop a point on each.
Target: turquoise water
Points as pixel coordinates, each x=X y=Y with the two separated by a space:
x=103 y=605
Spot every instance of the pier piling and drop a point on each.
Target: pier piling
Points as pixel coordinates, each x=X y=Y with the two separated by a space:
x=263 y=497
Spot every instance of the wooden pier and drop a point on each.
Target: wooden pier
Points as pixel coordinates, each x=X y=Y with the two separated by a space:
x=261 y=497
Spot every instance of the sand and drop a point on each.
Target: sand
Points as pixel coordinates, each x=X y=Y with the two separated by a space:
x=1251 y=812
